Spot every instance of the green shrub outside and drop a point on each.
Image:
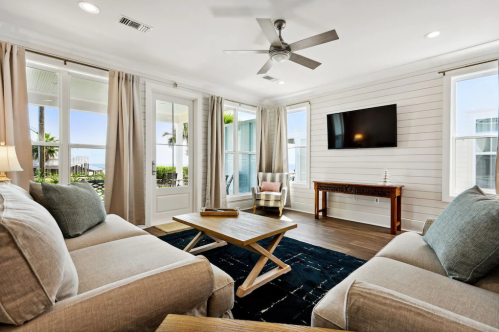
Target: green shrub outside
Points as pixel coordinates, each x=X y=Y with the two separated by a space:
x=162 y=170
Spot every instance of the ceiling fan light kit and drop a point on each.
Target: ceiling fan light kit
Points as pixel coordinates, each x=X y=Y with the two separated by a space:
x=281 y=51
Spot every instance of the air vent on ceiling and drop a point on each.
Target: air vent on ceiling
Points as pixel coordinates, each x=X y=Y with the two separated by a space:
x=270 y=78
x=134 y=24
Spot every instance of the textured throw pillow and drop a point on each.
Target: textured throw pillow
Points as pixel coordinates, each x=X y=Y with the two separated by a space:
x=271 y=186
x=76 y=207
x=36 y=269
x=35 y=190
x=465 y=236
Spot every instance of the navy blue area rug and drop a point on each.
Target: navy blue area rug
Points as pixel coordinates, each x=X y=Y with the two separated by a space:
x=288 y=299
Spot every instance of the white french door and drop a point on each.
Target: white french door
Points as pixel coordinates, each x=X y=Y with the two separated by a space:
x=172 y=175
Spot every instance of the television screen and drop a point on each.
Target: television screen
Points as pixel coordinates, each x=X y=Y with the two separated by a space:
x=374 y=127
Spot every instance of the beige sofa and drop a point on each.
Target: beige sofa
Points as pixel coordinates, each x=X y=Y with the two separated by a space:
x=129 y=280
x=407 y=271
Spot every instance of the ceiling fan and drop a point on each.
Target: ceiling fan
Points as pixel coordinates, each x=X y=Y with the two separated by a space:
x=281 y=51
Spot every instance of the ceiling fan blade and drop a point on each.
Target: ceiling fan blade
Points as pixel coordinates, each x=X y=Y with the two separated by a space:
x=301 y=60
x=322 y=38
x=247 y=52
x=269 y=31
x=266 y=67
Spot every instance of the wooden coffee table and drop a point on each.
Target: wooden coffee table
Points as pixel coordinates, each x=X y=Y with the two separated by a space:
x=177 y=323
x=243 y=231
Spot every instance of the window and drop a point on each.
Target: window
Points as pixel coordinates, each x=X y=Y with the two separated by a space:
x=470 y=121
x=240 y=148
x=75 y=151
x=298 y=144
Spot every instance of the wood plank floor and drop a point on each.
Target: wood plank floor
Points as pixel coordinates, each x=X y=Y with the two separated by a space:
x=352 y=238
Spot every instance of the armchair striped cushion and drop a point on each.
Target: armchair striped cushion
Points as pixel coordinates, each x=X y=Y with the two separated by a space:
x=270 y=198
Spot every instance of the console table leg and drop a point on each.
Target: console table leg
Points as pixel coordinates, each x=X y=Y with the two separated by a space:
x=324 y=203
x=316 y=203
x=399 y=213
x=393 y=214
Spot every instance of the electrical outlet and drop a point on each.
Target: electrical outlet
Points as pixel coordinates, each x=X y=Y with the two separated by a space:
x=355 y=198
x=376 y=200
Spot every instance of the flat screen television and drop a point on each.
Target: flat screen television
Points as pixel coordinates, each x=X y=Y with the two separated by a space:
x=374 y=127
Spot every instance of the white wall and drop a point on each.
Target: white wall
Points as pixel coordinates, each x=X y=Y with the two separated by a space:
x=416 y=162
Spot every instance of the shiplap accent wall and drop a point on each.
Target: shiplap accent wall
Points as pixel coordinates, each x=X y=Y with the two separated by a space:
x=416 y=162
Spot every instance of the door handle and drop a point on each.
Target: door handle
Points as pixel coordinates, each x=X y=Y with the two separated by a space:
x=153 y=167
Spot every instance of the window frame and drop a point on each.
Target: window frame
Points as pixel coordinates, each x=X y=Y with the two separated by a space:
x=64 y=71
x=294 y=109
x=235 y=108
x=449 y=123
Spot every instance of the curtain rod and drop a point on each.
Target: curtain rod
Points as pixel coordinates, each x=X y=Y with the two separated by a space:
x=65 y=59
x=240 y=103
x=466 y=66
x=175 y=85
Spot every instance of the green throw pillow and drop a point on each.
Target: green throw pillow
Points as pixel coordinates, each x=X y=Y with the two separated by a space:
x=76 y=207
x=465 y=236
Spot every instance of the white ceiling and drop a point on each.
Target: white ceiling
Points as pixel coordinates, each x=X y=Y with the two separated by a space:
x=190 y=35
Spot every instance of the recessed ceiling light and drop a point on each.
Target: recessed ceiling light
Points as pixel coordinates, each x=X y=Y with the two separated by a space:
x=88 y=7
x=432 y=34
x=281 y=82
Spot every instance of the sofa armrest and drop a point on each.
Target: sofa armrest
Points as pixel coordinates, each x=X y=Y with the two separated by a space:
x=373 y=308
x=138 y=303
x=284 y=192
x=254 y=190
x=427 y=225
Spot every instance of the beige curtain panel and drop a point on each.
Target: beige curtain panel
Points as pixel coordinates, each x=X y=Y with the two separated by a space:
x=14 y=120
x=497 y=164
x=263 y=161
x=280 y=158
x=280 y=151
x=215 y=175
x=124 y=189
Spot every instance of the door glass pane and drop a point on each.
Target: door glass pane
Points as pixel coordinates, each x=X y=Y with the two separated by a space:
x=88 y=118
x=229 y=173
x=165 y=172
x=297 y=159
x=165 y=137
x=49 y=170
x=181 y=165
x=229 y=130
x=43 y=102
x=89 y=165
x=247 y=172
x=246 y=131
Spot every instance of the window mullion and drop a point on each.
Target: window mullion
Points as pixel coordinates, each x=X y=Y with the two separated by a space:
x=236 y=153
x=64 y=114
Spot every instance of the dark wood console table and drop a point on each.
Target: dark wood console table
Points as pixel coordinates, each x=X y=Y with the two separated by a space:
x=394 y=192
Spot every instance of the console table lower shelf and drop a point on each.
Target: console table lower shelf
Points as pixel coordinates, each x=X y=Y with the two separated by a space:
x=394 y=192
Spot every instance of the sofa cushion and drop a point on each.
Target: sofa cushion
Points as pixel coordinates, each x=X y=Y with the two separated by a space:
x=441 y=291
x=36 y=268
x=268 y=196
x=410 y=248
x=114 y=228
x=109 y=262
x=76 y=207
x=373 y=308
x=222 y=298
x=490 y=281
x=466 y=234
x=35 y=190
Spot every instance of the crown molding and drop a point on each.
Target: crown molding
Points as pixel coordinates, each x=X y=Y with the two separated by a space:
x=72 y=50
x=444 y=61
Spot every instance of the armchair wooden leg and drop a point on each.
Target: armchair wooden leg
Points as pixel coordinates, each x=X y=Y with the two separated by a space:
x=280 y=211
x=254 y=208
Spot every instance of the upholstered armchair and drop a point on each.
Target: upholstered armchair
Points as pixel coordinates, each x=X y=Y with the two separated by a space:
x=270 y=198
